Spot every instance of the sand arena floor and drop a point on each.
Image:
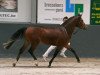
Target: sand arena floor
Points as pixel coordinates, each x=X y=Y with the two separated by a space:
x=60 y=66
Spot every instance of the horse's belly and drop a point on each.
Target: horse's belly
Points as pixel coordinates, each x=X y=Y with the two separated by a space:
x=54 y=40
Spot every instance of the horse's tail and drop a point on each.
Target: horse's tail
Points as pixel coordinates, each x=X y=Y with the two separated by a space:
x=17 y=35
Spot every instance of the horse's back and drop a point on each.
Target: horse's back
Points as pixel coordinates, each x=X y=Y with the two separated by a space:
x=45 y=25
x=40 y=29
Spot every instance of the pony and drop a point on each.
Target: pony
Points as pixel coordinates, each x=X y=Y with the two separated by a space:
x=59 y=36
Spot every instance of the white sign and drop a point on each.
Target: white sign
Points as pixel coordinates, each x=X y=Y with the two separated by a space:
x=15 y=11
x=52 y=11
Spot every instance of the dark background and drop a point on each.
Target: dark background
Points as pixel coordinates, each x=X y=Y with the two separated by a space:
x=86 y=43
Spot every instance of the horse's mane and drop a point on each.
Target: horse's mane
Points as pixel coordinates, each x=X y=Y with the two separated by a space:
x=67 y=21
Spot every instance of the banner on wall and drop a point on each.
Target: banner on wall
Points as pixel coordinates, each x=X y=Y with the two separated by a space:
x=95 y=12
x=52 y=11
x=8 y=8
x=15 y=11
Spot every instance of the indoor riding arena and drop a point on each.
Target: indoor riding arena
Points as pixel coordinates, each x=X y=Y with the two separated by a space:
x=29 y=28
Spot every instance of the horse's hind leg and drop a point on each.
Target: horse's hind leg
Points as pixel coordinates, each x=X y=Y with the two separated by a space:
x=55 y=54
x=34 y=44
x=73 y=51
x=31 y=53
x=22 y=49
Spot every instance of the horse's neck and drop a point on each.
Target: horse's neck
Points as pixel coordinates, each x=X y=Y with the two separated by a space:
x=70 y=26
x=70 y=29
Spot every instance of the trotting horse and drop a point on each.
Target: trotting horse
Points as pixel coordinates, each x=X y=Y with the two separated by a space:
x=59 y=36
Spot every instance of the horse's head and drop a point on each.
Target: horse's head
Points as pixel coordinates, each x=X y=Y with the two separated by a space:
x=80 y=22
x=74 y=21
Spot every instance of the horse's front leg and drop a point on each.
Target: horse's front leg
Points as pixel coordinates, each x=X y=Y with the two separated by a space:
x=73 y=51
x=54 y=55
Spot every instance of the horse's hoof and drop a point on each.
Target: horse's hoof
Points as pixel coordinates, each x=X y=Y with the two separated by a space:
x=49 y=66
x=36 y=64
x=14 y=64
x=78 y=61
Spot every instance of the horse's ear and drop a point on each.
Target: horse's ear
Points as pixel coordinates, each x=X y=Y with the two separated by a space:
x=80 y=14
x=65 y=17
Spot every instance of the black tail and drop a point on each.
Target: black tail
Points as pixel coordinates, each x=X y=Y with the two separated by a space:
x=17 y=35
